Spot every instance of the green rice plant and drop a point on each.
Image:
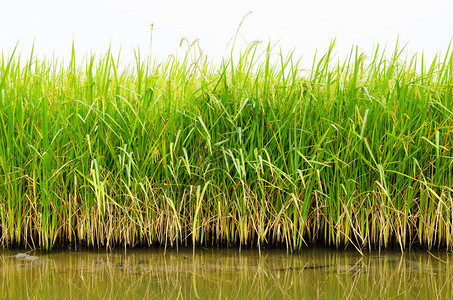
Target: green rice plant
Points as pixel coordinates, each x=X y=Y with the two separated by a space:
x=254 y=151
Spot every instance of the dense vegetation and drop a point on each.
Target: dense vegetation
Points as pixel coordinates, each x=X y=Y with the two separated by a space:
x=252 y=151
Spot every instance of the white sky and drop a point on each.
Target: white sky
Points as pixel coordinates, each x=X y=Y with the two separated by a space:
x=303 y=25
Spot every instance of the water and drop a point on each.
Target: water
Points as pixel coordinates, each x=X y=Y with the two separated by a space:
x=225 y=274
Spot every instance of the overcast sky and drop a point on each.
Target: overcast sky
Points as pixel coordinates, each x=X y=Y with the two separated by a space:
x=300 y=25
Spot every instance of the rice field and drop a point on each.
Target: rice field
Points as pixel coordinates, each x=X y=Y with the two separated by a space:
x=254 y=151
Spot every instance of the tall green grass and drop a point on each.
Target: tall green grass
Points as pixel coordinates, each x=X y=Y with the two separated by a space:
x=253 y=151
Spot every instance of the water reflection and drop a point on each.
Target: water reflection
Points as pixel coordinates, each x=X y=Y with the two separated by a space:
x=225 y=274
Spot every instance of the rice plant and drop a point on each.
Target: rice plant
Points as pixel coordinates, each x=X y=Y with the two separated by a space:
x=250 y=152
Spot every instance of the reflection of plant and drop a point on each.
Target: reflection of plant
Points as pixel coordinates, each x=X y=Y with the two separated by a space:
x=210 y=274
x=253 y=151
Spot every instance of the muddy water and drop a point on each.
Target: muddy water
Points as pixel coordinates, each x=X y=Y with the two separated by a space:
x=224 y=274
